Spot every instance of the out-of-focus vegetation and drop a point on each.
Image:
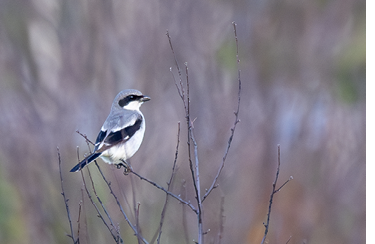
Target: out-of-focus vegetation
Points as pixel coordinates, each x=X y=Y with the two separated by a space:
x=303 y=86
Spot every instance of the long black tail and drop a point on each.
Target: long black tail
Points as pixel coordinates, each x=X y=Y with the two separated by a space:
x=84 y=162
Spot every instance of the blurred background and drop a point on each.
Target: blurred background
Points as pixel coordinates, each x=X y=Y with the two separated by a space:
x=303 y=73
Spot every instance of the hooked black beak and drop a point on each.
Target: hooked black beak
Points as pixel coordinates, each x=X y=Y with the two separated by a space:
x=145 y=98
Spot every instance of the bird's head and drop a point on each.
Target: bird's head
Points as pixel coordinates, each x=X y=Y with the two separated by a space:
x=130 y=99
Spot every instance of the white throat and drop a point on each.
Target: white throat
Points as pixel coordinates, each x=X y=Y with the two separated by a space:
x=134 y=105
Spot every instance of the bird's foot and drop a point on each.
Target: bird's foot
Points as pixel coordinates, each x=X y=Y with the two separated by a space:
x=126 y=165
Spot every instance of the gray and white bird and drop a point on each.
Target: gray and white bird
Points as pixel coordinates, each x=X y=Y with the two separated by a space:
x=122 y=132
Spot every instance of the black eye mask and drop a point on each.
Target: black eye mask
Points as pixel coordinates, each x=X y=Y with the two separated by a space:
x=126 y=100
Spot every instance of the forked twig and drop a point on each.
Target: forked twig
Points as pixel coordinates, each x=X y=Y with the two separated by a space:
x=185 y=97
x=97 y=208
x=117 y=237
x=119 y=205
x=180 y=88
x=183 y=91
x=274 y=191
x=236 y=121
x=84 y=136
x=117 y=201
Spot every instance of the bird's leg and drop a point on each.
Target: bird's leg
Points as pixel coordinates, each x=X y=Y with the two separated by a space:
x=126 y=166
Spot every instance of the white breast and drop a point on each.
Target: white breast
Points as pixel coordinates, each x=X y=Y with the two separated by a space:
x=125 y=150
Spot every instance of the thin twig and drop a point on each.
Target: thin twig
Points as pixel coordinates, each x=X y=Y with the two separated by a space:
x=290 y=178
x=134 y=199
x=236 y=121
x=118 y=237
x=83 y=218
x=163 y=189
x=119 y=204
x=186 y=103
x=96 y=207
x=197 y=189
x=84 y=136
x=195 y=170
x=274 y=191
x=65 y=199
x=222 y=217
x=184 y=219
x=137 y=222
x=79 y=219
x=288 y=240
x=113 y=194
x=169 y=183
x=80 y=205
x=180 y=92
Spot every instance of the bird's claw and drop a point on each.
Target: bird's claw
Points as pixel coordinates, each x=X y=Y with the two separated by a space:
x=126 y=166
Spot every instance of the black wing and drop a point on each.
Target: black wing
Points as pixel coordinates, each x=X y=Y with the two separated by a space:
x=100 y=138
x=124 y=134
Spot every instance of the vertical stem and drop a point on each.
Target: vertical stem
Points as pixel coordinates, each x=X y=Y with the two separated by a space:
x=272 y=194
x=65 y=199
x=196 y=179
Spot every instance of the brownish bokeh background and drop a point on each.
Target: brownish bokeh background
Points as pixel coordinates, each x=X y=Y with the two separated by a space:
x=303 y=87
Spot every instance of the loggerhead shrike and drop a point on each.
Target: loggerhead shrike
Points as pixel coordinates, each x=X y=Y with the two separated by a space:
x=122 y=132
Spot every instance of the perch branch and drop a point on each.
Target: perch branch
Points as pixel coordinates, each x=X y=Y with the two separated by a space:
x=163 y=189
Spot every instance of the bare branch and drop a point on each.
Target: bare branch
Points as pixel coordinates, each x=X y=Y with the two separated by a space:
x=137 y=221
x=222 y=217
x=214 y=182
x=197 y=187
x=186 y=103
x=163 y=189
x=274 y=191
x=84 y=136
x=117 y=236
x=195 y=170
x=119 y=204
x=290 y=178
x=97 y=208
x=79 y=218
x=184 y=219
x=180 y=88
x=169 y=185
x=66 y=200
x=185 y=97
